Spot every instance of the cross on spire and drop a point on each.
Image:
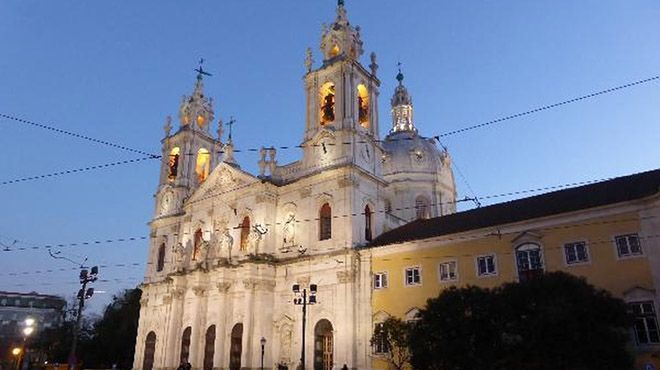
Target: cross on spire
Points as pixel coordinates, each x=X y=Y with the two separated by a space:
x=340 y=2
x=200 y=71
x=230 y=124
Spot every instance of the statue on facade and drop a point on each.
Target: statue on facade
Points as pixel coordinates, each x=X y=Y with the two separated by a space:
x=227 y=241
x=289 y=231
x=308 y=60
x=178 y=254
x=373 y=66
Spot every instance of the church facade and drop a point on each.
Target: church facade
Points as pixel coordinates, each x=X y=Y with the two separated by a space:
x=227 y=247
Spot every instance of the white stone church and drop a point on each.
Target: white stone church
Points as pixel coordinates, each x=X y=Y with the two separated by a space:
x=227 y=246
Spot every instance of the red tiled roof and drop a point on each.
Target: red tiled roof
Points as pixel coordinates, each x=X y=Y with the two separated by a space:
x=620 y=189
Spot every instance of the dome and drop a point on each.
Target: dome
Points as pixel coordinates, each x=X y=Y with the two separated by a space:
x=407 y=152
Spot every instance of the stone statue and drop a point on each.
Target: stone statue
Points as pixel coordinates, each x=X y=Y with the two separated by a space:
x=168 y=126
x=308 y=60
x=227 y=242
x=289 y=231
x=221 y=129
x=179 y=253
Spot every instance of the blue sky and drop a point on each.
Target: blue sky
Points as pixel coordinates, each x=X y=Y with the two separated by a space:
x=114 y=70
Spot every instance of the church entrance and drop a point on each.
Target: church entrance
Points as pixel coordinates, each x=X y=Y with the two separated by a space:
x=149 y=350
x=236 y=347
x=323 y=345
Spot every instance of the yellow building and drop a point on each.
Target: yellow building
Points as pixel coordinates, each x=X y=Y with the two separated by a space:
x=607 y=232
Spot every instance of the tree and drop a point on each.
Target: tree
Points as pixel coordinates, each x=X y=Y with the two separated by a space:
x=392 y=337
x=554 y=321
x=113 y=339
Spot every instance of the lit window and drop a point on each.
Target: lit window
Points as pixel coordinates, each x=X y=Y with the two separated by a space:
x=325 y=222
x=327 y=103
x=363 y=106
x=413 y=276
x=448 y=271
x=576 y=253
x=380 y=280
x=486 y=265
x=645 y=322
x=173 y=163
x=203 y=164
x=628 y=245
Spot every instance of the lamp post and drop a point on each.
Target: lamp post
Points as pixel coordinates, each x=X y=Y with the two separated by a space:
x=84 y=293
x=302 y=299
x=263 y=345
x=27 y=331
x=16 y=351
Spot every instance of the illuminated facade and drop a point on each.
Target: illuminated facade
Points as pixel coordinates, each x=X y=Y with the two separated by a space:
x=226 y=246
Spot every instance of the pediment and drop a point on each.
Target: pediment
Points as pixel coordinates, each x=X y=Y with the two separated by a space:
x=638 y=294
x=223 y=179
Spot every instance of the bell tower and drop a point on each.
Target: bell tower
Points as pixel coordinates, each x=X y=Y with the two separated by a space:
x=189 y=153
x=341 y=96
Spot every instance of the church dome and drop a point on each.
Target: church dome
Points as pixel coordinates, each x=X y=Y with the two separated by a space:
x=408 y=152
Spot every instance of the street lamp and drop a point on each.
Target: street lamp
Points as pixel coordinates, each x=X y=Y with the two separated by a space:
x=302 y=299
x=84 y=293
x=263 y=344
x=27 y=331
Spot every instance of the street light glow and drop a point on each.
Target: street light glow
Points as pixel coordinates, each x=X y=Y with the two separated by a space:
x=27 y=331
x=16 y=351
x=29 y=321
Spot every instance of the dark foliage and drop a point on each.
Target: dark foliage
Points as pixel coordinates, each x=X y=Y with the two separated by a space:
x=553 y=322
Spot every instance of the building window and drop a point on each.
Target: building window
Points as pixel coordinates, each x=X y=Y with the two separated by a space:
x=529 y=261
x=245 y=233
x=363 y=106
x=486 y=265
x=203 y=164
x=160 y=263
x=645 y=322
x=413 y=276
x=197 y=244
x=448 y=271
x=380 y=340
x=380 y=280
x=325 y=222
x=367 y=223
x=422 y=208
x=628 y=245
x=576 y=253
x=173 y=163
x=327 y=103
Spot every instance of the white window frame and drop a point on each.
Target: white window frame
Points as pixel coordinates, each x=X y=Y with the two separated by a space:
x=377 y=345
x=645 y=315
x=630 y=254
x=449 y=279
x=381 y=285
x=405 y=276
x=487 y=274
x=574 y=244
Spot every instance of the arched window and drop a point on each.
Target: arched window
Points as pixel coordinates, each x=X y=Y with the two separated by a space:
x=529 y=260
x=236 y=347
x=197 y=244
x=185 y=344
x=245 y=233
x=422 y=208
x=323 y=345
x=209 y=348
x=363 y=106
x=325 y=222
x=173 y=163
x=149 y=351
x=160 y=263
x=327 y=103
x=367 y=223
x=203 y=164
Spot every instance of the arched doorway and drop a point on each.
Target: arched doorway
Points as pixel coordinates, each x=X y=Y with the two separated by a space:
x=323 y=345
x=149 y=351
x=209 y=348
x=185 y=344
x=236 y=347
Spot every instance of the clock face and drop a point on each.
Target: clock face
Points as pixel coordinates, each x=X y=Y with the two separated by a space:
x=166 y=203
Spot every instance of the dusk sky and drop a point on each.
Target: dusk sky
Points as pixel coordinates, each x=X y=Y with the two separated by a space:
x=114 y=70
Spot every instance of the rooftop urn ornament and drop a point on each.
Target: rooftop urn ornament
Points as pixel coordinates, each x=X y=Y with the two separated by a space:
x=373 y=66
x=168 y=126
x=309 y=61
x=221 y=129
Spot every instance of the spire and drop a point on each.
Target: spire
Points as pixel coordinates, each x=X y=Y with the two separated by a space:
x=340 y=40
x=402 y=108
x=197 y=108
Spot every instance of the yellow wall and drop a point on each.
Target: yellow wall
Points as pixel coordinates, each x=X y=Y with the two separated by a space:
x=604 y=269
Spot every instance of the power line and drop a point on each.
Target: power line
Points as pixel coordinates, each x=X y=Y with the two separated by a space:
x=79 y=244
x=77 y=170
x=76 y=135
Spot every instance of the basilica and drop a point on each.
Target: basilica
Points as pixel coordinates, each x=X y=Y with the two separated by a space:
x=243 y=268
